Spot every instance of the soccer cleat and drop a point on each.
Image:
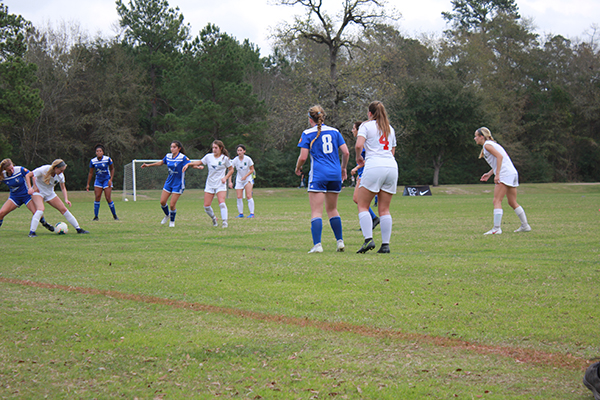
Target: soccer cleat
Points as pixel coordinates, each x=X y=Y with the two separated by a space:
x=592 y=381
x=375 y=222
x=32 y=234
x=369 y=244
x=165 y=220
x=95 y=219
x=317 y=248
x=79 y=230
x=48 y=226
x=116 y=218
x=250 y=216
x=340 y=245
x=385 y=248
x=240 y=216
x=225 y=224
x=214 y=221
x=523 y=228
x=171 y=224
x=494 y=231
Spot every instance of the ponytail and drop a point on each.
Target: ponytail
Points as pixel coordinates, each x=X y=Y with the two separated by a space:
x=317 y=114
x=58 y=163
x=377 y=109
x=485 y=132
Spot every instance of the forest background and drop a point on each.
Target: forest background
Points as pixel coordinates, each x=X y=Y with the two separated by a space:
x=62 y=92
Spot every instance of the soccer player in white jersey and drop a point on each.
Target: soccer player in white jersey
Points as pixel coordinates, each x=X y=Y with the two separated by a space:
x=380 y=176
x=323 y=143
x=41 y=188
x=105 y=172
x=244 y=167
x=14 y=177
x=176 y=162
x=219 y=171
x=506 y=179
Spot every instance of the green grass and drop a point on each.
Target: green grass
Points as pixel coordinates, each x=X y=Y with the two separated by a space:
x=245 y=312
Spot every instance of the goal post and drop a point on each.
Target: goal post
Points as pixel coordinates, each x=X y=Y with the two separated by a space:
x=136 y=179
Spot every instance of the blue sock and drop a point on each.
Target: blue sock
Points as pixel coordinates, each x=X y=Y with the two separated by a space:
x=316 y=228
x=173 y=214
x=1 y=221
x=336 y=225
x=96 y=208
x=373 y=215
x=111 y=205
x=165 y=209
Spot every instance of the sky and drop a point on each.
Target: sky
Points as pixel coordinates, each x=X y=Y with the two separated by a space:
x=255 y=19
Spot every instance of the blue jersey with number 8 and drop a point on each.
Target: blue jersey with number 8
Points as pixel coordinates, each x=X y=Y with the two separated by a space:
x=324 y=154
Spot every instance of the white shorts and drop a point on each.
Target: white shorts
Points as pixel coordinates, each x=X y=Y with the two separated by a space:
x=45 y=196
x=380 y=178
x=511 y=180
x=221 y=188
x=242 y=184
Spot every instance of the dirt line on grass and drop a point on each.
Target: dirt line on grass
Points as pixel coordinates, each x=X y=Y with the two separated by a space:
x=520 y=355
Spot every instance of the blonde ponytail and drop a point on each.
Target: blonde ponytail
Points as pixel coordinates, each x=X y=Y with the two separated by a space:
x=317 y=114
x=58 y=163
x=485 y=132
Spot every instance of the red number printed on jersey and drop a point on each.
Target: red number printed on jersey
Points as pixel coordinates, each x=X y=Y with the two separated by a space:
x=385 y=142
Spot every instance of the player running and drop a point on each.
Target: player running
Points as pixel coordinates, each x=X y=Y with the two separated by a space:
x=176 y=162
x=105 y=172
x=219 y=171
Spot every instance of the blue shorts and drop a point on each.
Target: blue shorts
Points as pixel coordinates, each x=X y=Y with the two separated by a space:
x=325 y=186
x=175 y=186
x=19 y=200
x=102 y=182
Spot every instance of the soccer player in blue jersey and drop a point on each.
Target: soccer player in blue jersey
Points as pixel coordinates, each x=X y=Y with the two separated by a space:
x=219 y=172
x=14 y=177
x=105 y=171
x=358 y=170
x=323 y=143
x=175 y=161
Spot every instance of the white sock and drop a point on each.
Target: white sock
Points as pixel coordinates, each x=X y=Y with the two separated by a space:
x=385 y=222
x=498 y=217
x=251 y=205
x=521 y=214
x=35 y=220
x=366 y=224
x=71 y=219
x=223 y=208
x=240 y=204
x=209 y=211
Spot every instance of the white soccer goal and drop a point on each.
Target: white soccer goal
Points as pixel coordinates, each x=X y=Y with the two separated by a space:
x=136 y=179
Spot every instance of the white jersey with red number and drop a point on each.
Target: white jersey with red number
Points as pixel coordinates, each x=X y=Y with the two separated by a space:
x=378 y=149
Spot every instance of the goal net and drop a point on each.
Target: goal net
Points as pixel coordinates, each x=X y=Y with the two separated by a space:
x=136 y=179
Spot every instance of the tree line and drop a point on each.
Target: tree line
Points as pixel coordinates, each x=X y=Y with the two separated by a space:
x=62 y=92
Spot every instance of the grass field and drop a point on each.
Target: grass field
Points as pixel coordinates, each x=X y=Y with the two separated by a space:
x=140 y=310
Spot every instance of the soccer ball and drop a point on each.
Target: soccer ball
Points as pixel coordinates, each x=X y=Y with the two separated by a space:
x=61 y=228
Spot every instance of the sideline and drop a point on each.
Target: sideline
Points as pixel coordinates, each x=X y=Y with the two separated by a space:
x=520 y=355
